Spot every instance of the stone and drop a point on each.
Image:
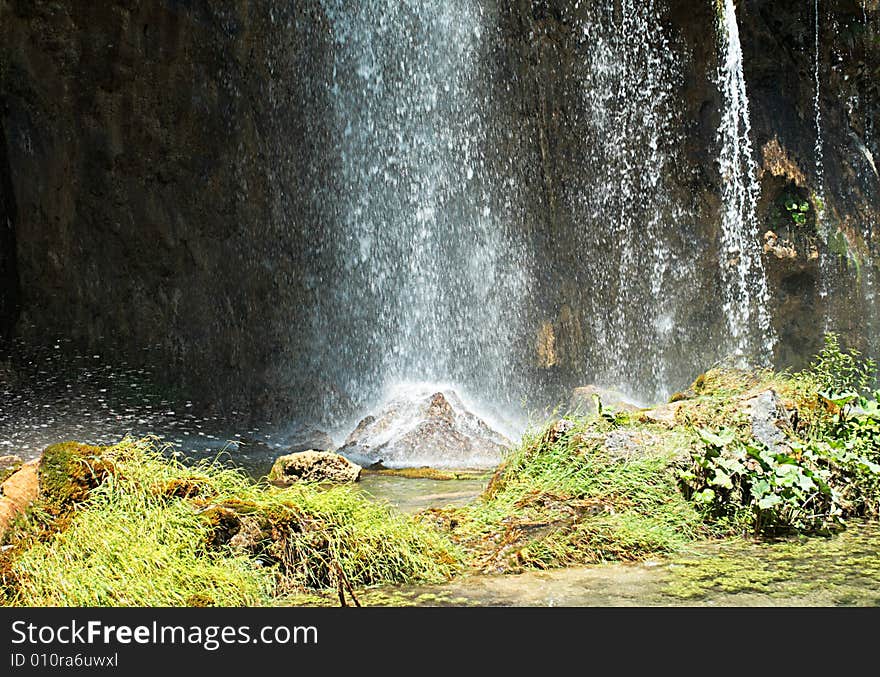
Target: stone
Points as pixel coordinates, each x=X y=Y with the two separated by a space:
x=583 y=401
x=663 y=415
x=558 y=430
x=425 y=427
x=313 y=466
x=769 y=421
x=626 y=445
x=20 y=490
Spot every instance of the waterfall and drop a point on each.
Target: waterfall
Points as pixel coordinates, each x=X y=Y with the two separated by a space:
x=631 y=222
x=745 y=285
x=426 y=275
x=819 y=151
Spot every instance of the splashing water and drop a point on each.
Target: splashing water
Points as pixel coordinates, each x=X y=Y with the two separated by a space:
x=742 y=270
x=427 y=277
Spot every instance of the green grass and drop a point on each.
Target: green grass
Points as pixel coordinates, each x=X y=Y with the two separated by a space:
x=566 y=501
x=157 y=533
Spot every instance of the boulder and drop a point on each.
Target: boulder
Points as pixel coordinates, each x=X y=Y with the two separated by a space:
x=425 y=427
x=313 y=466
x=583 y=400
x=769 y=421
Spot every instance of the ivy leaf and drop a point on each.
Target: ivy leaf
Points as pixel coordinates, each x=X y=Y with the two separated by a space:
x=760 y=488
x=705 y=496
x=806 y=483
x=867 y=466
x=769 y=502
x=838 y=399
x=722 y=479
x=722 y=439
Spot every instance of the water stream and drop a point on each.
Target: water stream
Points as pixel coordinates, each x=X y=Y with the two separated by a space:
x=746 y=292
x=631 y=222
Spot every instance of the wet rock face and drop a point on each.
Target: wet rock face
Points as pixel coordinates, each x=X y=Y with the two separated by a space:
x=150 y=148
x=159 y=163
x=425 y=429
x=8 y=267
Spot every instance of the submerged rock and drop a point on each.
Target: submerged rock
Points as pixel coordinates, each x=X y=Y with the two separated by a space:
x=314 y=466
x=424 y=428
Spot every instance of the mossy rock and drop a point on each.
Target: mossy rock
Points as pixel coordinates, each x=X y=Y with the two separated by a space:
x=313 y=466
x=69 y=471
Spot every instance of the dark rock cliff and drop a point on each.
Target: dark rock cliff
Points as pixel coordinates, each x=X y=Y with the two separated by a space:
x=147 y=142
x=160 y=162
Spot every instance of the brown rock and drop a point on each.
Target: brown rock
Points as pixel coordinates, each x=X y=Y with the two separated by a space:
x=663 y=415
x=314 y=466
x=583 y=400
x=19 y=491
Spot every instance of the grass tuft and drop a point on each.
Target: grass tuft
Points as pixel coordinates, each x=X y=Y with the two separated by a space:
x=149 y=535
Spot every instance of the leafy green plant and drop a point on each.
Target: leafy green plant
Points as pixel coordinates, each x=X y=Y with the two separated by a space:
x=840 y=371
x=806 y=485
x=753 y=487
x=790 y=210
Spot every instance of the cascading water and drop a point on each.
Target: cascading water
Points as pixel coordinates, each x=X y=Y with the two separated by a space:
x=817 y=108
x=426 y=274
x=746 y=292
x=826 y=265
x=633 y=224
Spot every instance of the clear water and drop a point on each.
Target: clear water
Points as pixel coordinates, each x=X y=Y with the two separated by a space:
x=840 y=571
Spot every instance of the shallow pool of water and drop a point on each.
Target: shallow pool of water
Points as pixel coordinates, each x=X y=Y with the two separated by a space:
x=843 y=570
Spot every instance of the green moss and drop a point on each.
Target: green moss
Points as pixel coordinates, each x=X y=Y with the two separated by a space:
x=832 y=570
x=69 y=471
x=6 y=473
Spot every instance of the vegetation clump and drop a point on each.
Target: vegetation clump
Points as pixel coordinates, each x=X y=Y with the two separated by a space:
x=577 y=492
x=156 y=533
x=825 y=468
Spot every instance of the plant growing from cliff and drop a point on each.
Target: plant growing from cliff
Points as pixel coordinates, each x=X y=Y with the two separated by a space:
x=790 y=210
